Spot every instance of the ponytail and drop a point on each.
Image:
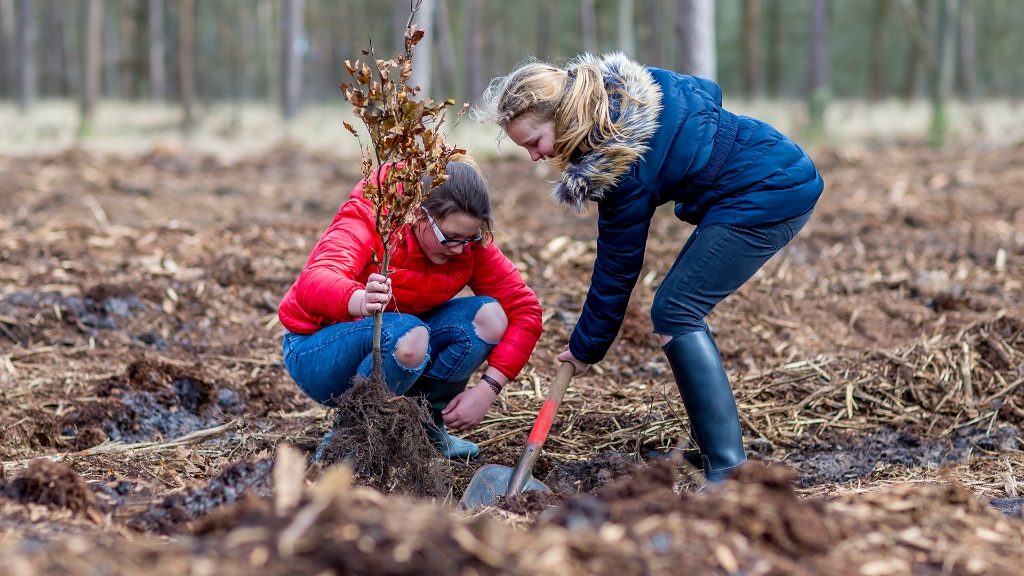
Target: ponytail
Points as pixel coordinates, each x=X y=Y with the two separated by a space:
x=574 y=98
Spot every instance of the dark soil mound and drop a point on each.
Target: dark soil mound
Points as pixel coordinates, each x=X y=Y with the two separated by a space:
x=840 y=457
x=532 y=503
x=235 y=482
x=34 y=429
x=589 y=476
x=382 y=437
x=51 y=484
x=93 y=423
x=153 y=399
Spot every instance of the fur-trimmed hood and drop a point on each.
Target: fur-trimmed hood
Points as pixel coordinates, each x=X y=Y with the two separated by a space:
x=597 y=172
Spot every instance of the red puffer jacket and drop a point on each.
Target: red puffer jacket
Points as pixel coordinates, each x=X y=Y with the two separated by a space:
x=342 y=261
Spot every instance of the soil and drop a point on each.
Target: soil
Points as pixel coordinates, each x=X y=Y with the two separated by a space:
x=878 y=358
x=51 y=484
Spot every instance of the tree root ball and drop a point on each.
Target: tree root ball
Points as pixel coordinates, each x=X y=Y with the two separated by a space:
x=382 y=437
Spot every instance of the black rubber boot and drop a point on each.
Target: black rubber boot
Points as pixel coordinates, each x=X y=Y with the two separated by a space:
x=707 y=396
x=439 y=394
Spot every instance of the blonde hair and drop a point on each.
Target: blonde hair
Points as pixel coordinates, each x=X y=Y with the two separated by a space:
x=574 y=97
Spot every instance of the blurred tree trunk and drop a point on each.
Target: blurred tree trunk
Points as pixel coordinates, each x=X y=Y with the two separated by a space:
x=544 y=30
x=28 y=72
x=695 y=38
x=752 y=81
x=445 y=46
x=877 y=83
x=131 y=27
x=423 y=57
x=818 y=75
x=474 y=46
x=653 y=39
x=942 y=78
x=965 y=50
x=55 y=80
x=588 y=19
x=291 y=57
x=8 y=52
x=186 y=62
x=111 y=53
x=773 y=66
x=92 y=61
x=915 y=14
x=157 y=50
x=627 y=26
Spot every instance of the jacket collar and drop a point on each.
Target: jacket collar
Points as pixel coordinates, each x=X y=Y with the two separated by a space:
x=594 y=174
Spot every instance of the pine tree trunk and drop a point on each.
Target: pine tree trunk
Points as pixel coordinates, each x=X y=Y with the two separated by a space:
x=588 y=19
x=773 y=67
x=445 y=50
x=915 y=15
x=654 y=38
x=627 y=26
x=157 y=51
x=291 y=58
x=8 y=50
x=880 y=26
x=544 y=30
x=55 y=78
x=92 y=62
x=942 y=79
x=111 y=55
x=423 y=55
x=752 y=48
x=27 y=70
x=474 y=46
x=186 y=62
x=818 y=76
x=965 y=50
x=695 y=38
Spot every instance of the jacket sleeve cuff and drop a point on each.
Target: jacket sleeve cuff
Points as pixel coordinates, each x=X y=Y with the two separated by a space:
x=343 y=314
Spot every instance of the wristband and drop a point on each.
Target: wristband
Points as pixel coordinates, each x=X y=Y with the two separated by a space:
x=492 y=383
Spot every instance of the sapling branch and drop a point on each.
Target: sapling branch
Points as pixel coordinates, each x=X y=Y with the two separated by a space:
x=407 y=155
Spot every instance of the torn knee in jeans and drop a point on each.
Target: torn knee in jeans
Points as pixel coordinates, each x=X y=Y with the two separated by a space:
x=490 y=322
x=411 y=349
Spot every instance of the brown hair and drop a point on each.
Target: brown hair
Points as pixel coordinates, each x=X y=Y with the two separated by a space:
x=574 y=97
x=464 y=192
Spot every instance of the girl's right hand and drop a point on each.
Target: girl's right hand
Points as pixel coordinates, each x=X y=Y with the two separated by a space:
x=373 y=299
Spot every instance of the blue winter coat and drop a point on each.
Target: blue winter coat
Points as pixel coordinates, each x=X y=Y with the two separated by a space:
x=676 y=144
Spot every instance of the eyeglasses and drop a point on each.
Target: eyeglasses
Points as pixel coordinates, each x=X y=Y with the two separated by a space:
x=446 y=241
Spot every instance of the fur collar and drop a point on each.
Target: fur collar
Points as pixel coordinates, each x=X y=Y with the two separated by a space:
x=597 y=172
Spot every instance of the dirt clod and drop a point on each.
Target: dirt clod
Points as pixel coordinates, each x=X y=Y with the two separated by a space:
x=51 y=484
x=588 y=476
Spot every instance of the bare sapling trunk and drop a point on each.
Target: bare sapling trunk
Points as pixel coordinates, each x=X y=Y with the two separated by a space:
x=407 y=155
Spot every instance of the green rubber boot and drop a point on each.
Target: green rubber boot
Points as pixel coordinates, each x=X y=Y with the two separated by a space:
x=439 y=394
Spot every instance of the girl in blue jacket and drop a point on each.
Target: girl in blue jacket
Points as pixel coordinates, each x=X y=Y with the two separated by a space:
x=631 y=138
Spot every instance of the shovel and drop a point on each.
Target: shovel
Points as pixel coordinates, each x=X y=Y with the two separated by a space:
x=493 y=481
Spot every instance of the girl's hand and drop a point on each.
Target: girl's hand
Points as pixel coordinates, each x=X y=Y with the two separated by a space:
x=375 y=298
x=567 y=356
x=468 y=409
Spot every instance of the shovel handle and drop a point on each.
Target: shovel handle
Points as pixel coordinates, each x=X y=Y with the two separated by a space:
x=541 y=427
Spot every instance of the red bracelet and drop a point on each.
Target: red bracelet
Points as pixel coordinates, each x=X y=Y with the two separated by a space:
x=495 y=387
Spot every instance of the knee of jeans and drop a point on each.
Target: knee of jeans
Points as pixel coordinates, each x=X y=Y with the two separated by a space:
x=411 y=349
x=671 y=320
x=490 y=322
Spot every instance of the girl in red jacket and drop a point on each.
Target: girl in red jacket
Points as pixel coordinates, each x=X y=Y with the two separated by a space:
x=432 y=342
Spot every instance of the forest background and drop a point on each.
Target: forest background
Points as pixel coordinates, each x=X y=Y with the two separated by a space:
x=833 y=69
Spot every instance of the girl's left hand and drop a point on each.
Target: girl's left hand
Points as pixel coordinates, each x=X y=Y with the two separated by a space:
x=468 y=409
x=567 y=356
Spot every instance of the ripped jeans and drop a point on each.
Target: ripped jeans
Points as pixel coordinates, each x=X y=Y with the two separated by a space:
x=323 y=363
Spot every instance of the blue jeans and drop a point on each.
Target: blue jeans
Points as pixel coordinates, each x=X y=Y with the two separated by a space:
x=715 y=261
x=323 y=364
